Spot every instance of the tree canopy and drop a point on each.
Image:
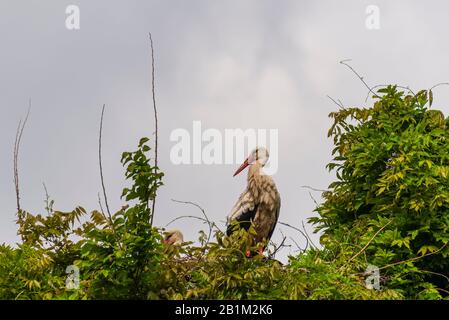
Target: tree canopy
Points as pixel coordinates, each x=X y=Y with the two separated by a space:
x=388 y=208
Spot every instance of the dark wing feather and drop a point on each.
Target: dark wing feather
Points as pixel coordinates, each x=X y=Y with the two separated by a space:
x=243 y=220
x=278 y=209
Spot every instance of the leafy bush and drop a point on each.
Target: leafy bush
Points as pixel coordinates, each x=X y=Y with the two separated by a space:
x=221 y=270
x=120 y=255
x=392 y=190
x=387 y=207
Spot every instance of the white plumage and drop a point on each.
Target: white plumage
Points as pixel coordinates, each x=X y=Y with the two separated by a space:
x=260 y=202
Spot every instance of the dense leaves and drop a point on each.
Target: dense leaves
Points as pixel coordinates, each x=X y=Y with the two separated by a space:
x=388 y=207
x=392 y=190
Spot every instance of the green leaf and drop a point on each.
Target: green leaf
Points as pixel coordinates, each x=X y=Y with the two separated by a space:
x=143 y=141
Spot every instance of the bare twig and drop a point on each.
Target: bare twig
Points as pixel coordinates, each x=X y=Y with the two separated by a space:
x=277 y=248
x=156 y=124
x=436 y=274
x=101 y=165
x=109 y=221
x=300 y=231
x=17 y=141
x=414 y=258
x=189 y=217
x=338 y=103
x=442 y=290
x=47 y=196
x=354 y=245
x=48 y=204
x=210 y=224
x=16 y=170
x=296 y=244
x=385 y=85
x=314 y=189
x=184 y=217
x=345 y=63
x=308 y=237
x=369 y=242
x=101 y=206
x=431 y=92
x=440 y=84
x=314 y=200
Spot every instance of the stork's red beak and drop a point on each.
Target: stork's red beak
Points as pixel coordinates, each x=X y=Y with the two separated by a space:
x=243 y=166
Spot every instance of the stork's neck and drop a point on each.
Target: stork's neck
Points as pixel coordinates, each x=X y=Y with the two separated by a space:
x=255 y=178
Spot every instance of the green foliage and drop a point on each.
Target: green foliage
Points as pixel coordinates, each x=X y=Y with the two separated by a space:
x=53 y=233
x=120 y=256
x=146 y=178
x=392 y=190
x=388 y=207
x=222 y=271
x=29 y=273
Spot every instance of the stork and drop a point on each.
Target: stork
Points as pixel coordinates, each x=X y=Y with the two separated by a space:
x=259 y=204
x=173 y=237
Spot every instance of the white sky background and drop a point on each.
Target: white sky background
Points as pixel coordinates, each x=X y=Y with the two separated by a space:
x=230 y=64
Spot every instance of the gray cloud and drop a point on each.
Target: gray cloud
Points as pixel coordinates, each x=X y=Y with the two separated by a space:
x=233 y=64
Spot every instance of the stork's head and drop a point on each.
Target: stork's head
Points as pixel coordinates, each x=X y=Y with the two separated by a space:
x=259 y=155
x=173 y=237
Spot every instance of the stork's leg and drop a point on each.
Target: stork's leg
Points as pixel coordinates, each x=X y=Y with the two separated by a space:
x=260 y=251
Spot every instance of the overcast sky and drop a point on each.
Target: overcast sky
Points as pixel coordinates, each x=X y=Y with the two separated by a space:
x=229 y=64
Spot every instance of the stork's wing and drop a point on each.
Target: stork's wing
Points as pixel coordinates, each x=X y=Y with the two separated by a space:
x=243 y=212
x=278 y=209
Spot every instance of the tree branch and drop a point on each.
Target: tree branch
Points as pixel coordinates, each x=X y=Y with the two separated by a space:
x=101 y=165
x=183 y=217
x=156 y=124
x=48 y=202
x=314 y=189
x=17 y=141
x=369 y=242
x=385 y=85
x=440 y=84
x=414 y=258
x=210 y=224
x=338 y=103
x=277 y=248
x=297 y=245
x=300 y=231
x=345 y=63
x=308 y=237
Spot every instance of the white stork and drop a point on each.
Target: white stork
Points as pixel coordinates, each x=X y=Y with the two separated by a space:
x=173 y=237
x=260 y=203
